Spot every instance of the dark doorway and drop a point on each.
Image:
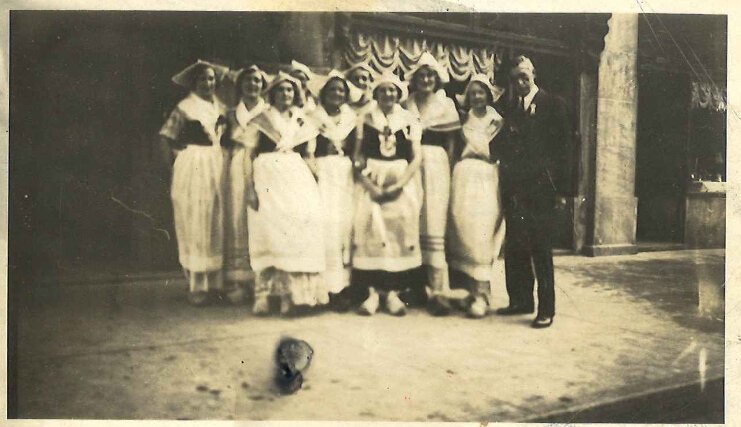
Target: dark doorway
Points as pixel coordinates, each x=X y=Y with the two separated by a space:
x=661 y=155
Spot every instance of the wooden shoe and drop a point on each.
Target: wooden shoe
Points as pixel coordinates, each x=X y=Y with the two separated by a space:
x=285 y=305
x=370 y=305
x=478 y=308
x=394 y=305
x=261 y=307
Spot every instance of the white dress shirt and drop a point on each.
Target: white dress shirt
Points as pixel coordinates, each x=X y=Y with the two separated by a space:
x=528 y=99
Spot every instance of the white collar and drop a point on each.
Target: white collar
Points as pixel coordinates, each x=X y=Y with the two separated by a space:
x=440 y=113
x=397 y=119
x=335 y=130
x=243 y=115
x=196 y=108
x=286 y=131
x=528 y=99
x=489 y=114
x=206 y=112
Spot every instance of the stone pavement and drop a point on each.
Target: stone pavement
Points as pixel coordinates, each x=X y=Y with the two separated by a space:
x=626 y=325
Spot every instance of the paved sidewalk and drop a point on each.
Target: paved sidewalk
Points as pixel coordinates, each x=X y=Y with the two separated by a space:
x=626 y=325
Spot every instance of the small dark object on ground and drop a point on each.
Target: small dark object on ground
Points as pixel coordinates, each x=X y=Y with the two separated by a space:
x=292 y=357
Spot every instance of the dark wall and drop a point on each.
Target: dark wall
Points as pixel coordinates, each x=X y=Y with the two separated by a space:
x=89 y=91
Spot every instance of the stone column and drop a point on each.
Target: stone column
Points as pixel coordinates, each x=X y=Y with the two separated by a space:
x=307 y=37
x=614 y=209
x=586 y=161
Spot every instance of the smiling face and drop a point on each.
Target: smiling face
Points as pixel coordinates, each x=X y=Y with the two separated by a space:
x=387 y=94
x=524 y=80
x=204 y=84
x=478 y=95
x=361 y=78
x=334 y=93
x=425 y=80
x=251 y=85
x=282 y=95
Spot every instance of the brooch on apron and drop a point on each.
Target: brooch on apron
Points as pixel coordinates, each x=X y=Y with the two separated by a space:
x=387 y=142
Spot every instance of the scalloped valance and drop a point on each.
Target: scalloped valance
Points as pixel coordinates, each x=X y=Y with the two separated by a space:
x=398 y=54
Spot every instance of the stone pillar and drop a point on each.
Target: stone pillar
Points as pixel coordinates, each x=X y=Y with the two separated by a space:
x=586 y=160
x=307 y=37
x=614 y=208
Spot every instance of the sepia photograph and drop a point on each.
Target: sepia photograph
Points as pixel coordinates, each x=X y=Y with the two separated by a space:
x=352 y=215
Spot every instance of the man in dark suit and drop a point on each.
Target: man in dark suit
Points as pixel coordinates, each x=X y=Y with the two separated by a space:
x=531 y=159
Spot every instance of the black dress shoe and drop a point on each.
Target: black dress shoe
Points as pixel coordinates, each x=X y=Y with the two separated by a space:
x=541 y=322
x=512 y=310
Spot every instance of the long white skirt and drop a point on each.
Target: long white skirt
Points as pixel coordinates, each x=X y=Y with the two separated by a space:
x=286 y=232
x=477 y=228
x=386 y=235
x=198 y=207
x=433 y=222
x=336 y=189
x=237 y=257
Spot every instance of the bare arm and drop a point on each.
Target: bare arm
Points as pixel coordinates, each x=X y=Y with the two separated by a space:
x=167 y=152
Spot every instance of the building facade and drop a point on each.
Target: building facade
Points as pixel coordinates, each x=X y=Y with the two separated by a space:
x=89 y=91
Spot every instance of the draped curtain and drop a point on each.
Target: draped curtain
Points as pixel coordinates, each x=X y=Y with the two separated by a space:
x=385 y=52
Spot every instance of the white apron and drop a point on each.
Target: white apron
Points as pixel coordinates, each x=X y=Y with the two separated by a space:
x=386 y=235
x=477 y=228
x=335 y=178
x=237 y=258
x=197 y=193
x=286 y=232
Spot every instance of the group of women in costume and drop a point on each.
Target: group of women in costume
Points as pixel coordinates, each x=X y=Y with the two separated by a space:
x=353 y=189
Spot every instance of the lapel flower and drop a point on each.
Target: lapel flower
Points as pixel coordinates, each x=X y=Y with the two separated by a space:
x=532 y=109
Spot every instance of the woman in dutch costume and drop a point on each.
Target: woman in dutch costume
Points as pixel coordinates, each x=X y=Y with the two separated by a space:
x=237 y=270
x=193 y=135
x=476 y=225
x=335 y=143
x=361 y=75
x=440 y=126
x=285 y=227
x=303 y=74
x=389 y=199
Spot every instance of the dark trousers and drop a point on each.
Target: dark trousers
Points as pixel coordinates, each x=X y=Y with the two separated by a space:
x=527 y=246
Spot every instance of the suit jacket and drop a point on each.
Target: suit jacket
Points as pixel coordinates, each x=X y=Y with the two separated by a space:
x=534 y=149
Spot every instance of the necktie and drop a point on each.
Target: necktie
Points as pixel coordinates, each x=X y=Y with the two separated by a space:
x=522 y=104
